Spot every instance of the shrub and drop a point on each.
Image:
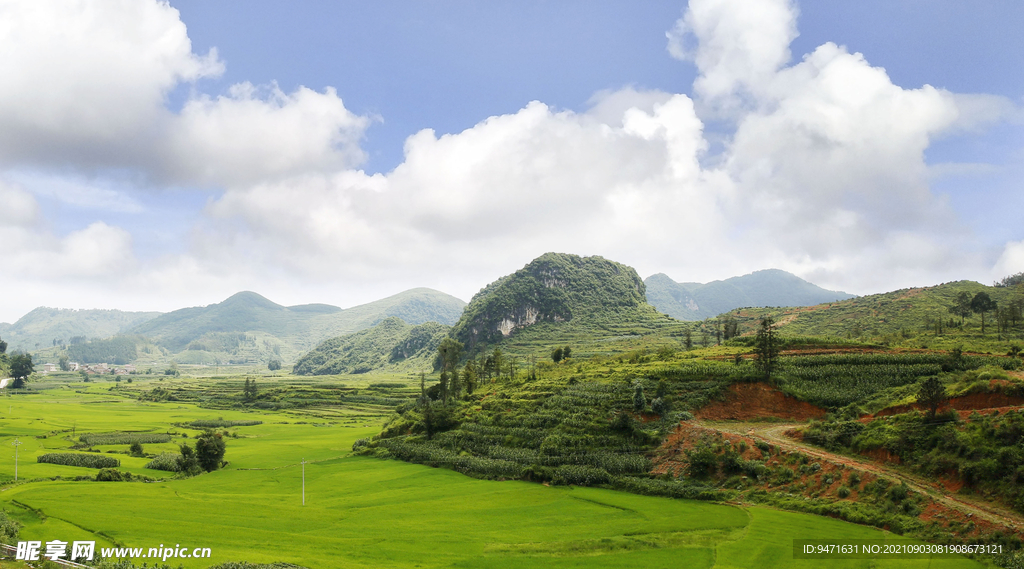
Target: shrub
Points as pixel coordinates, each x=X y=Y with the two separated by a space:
x=9 y=529
x=579 y=475
x=112 y=475
x=843 y=492
x=167 y=461
x=78 y=459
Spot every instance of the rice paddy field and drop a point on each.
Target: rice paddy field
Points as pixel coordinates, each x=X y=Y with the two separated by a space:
x=358 y=511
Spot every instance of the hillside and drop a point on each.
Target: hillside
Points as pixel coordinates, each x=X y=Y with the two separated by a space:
x=559 y=297
x=390 y=343
x=39 y=328
x=900 y=314
x=249 y=328
x=771 y=287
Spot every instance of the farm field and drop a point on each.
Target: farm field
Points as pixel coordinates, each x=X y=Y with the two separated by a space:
x=361 y=511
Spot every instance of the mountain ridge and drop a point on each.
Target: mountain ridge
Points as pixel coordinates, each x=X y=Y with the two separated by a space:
x=769 y=287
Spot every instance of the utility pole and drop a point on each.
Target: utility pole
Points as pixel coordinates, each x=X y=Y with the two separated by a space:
x=303 y=480
x=15 y=444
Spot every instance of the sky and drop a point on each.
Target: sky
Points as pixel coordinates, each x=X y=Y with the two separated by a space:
x=160 y=155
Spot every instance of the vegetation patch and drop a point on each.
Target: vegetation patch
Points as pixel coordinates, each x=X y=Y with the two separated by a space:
x=123 y=438
x=79 y=459
x=221 y=423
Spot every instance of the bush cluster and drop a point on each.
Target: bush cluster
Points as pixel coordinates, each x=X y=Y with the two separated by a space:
x=79 y=459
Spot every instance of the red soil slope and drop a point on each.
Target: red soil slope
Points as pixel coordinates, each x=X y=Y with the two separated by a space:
x=746 y=401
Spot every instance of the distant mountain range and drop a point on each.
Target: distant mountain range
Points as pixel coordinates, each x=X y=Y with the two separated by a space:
x=555 y=296
x=771 y=287
x=45 y=327
x=245 y=328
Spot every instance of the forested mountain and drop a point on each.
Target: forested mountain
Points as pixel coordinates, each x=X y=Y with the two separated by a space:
x=771 y=287
x=45 y=327
x=392 y=342
x=556 y=289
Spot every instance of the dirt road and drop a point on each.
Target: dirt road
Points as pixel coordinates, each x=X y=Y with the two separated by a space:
x=775 y=434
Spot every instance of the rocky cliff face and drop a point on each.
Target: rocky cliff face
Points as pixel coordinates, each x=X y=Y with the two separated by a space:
x=555 y=287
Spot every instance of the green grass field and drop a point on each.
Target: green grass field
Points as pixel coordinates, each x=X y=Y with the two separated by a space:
x=360 y=511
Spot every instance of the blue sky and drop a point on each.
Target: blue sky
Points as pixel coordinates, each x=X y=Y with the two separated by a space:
x=163 y=156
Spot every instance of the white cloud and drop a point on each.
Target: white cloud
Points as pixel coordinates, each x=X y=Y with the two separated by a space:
x=97 y=195
x=19 y=207
x=1011 y=261
x=823 y=169
x=244 y=137
x=824 y=175
x=85 y=86
x=32 y=251
x=85 y=81
x=737 y=45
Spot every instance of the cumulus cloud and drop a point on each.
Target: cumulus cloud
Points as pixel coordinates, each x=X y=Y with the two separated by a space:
x=34 y=251
x=246 y=137
x=85 y=86
x=737 y=46
x=85 y=80
x=822 y=170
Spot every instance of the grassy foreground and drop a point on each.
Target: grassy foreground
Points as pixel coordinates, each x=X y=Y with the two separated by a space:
x=364 y=512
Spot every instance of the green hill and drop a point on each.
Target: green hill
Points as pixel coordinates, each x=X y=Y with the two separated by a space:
x=560 y=298
x=771 y=287
x=905 y=312
x=390 y=343
x=248 y=328
x=41 y=327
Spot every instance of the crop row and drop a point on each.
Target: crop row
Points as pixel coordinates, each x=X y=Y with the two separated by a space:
x=124 y=438
x=79 y=459
x=221 y=423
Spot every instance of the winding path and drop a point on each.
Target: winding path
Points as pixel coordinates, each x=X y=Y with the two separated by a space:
x=775 y=434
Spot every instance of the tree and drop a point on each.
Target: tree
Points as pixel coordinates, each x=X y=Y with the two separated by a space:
x=21 y=368
x=688 y=339
x=932 y=395
x=188 y=464
x=766 y=348
x=210 y=449
x=423 y=388
x=961 y=306
x=135 y=448
x=274 y=365
x=556 y=355
x=469 y=376
x=448 y=354
x=639 y=399
x=64 y=362
x=455 y=383
x=249 y=391
x=3 y=346
x=566 y=353
x=498 y=361
x=730 y=326
x=982 y=303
